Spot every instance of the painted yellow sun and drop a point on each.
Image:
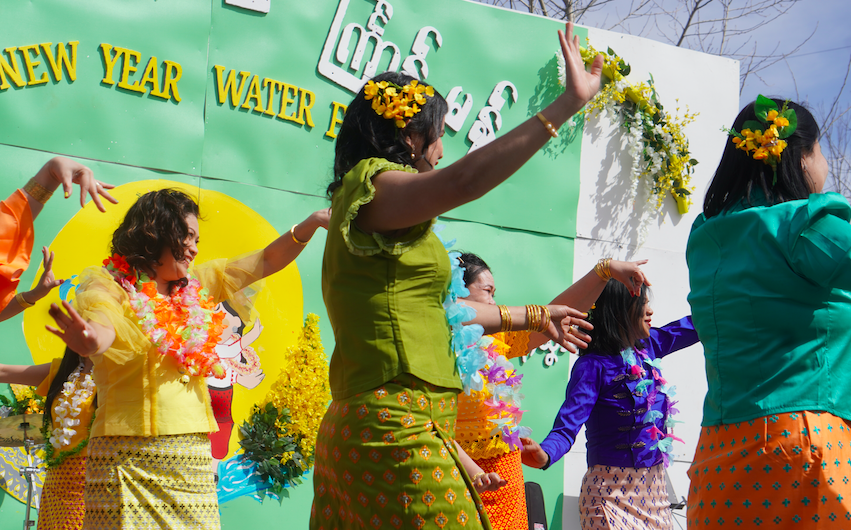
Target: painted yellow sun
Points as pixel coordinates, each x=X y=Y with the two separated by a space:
x=228 y=228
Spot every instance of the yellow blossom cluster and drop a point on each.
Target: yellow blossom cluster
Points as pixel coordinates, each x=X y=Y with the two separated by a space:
x=397 y=103
x=663 y=155
x=765 y=145
x=28 y=401
x=302 y=388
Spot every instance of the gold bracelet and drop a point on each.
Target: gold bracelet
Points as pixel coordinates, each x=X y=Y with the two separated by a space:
x=550 y=128
x=545 y=322
x=292 y=233
x=533 y=318
x=505 y=318
x=478 y=475
x=22 y=302
x=37 y=191
x=602 y=269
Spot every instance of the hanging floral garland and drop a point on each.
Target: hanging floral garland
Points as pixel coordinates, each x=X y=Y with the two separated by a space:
x=280 y=435
x=657 y=141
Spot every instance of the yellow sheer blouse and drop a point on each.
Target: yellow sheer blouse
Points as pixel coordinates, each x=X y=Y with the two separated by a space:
x=139 y=390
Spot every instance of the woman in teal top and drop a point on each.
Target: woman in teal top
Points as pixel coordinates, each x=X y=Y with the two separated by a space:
x=384 y=454
x=770 y=272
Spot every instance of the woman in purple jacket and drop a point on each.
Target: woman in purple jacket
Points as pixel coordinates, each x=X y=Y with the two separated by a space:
x=616 y=389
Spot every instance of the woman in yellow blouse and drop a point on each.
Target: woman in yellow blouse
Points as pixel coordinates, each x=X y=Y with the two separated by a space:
x=147 y=320
x=67 y=384
x=497 y=405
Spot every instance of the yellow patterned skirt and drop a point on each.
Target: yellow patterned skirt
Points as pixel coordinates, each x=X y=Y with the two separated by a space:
x=386 y=459
x=138 y=482
x=789 y=470
x=62 y=505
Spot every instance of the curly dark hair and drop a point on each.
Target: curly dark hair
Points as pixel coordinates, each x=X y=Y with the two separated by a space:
x=364 y=134
x=156 y=221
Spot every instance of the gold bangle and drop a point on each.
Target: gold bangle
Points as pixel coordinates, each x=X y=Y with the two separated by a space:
x=603 y=270
x=550 y=128
x=292 y=233
x=37 y=191
x=478 y=475
x=545 y=322
x=505 y=318
x=533 y=319
x=19 y=297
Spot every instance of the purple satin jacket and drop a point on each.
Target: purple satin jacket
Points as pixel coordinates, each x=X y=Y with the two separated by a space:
x=603 y=395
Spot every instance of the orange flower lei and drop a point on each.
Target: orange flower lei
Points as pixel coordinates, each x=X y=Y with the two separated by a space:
x=183 y=324
x=397 y=103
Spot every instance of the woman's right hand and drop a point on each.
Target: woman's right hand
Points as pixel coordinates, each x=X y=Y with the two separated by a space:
x=488 y=482
x=580 y=85
x=79 y=335
x=66 y=172
x=630 y=274
x=532 y=455
x=565 y=327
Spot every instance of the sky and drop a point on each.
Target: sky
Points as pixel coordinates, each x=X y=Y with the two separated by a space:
x=818 y=67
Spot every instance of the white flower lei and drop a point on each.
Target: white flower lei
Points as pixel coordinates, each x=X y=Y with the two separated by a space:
x=69 y=407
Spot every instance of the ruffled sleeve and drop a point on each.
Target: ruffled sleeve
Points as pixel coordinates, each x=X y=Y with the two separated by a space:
x=583 y=389
x=236 y=280
x=16 y=243
x=357 y=190
x=100 y=299
x=819 y=241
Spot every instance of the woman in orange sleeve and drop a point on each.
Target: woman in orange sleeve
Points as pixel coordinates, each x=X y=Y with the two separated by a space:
x=17 y=214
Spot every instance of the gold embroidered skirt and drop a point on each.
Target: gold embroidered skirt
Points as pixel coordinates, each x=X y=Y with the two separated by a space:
x=62 y=506
x=138 y=482
x=386 y=459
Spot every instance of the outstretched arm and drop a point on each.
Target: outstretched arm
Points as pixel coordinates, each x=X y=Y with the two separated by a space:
x=282 y=251
x=403 y=199
x=30 y=375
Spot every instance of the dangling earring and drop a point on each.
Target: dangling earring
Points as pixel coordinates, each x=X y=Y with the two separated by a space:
x=413 y=156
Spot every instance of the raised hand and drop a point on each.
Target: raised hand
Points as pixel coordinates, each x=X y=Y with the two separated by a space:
x=76 y=333
x=580 y=85
x=630 y=274
x=67 y=172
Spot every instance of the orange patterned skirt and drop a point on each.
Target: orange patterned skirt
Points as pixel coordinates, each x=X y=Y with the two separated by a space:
x=386 y=459
x=62 y=505
x=506 y=507
x=785 y=470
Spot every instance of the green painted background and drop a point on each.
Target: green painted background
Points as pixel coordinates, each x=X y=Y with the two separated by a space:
x=524 y=229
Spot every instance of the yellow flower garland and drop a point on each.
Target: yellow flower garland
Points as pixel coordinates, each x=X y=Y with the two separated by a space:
x=660 y=147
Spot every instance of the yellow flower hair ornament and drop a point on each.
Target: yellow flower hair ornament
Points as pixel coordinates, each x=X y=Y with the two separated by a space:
x=397 y=103
x=764 y=139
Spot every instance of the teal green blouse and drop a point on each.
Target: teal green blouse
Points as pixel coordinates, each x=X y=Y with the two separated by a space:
x=384 y=296
x=771 y=302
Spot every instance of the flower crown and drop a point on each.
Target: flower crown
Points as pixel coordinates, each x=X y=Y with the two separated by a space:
x=397 y=103
x=763 y=139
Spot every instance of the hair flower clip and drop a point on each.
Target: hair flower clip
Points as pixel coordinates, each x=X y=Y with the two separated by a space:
x=764 y=139
x=397 y=103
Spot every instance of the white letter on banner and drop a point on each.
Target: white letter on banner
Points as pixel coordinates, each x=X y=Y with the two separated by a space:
x=420 y=49
x=458 y=113
x=484 y=130
x=340 y=40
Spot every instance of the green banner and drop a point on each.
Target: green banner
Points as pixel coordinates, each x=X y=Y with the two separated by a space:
x=241 y=108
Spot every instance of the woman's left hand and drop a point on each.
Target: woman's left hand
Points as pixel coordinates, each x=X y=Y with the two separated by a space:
x=76 y=333
x=488 y=482
x=322 y=217
x=630 y=274
x=565 y=327
x=47 y=282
